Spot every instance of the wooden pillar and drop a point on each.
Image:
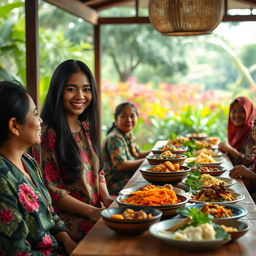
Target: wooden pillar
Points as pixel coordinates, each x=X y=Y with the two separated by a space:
x=32 y=59
x=97 y=68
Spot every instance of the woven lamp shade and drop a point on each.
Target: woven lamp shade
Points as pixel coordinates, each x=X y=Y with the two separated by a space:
x=185 y=17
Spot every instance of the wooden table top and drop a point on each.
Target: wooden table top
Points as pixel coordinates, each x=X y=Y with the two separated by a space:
x=102 y=241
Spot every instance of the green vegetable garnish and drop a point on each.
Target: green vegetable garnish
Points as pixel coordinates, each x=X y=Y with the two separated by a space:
x=193 y=181
x=199 y=217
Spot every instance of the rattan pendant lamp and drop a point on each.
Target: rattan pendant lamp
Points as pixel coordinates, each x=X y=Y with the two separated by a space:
x=185 y=17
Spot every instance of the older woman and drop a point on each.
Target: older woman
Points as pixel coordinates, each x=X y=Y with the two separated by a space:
x=241 y=147
x=28 y=225
x=121 y=154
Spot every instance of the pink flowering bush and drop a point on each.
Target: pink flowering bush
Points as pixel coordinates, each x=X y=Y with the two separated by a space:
x=166 y=110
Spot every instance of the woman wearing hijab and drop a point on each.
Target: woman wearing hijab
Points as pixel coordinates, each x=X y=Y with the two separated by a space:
x=240 y=147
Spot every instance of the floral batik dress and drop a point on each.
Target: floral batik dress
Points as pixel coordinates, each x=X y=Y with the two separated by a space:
x=117 y=149
x=27 y=221
x=56 y=178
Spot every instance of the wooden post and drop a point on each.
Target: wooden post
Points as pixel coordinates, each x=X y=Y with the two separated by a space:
x=97 y=68
x=32 y=59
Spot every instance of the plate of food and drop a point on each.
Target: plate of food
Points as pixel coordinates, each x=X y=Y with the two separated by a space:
x=128 y=191
x=210 y=152
x=164 y=199
x=195 y=232
x=208 y=161
x=174 y=149
x=197 y=136
x=219 y=211
x=207 y=181
x=213 y=171
x=217 y=194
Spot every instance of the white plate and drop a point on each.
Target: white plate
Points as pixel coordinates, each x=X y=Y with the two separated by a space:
x=238 y=197
x=229 y=181
x=158 y=230
x=127 y=191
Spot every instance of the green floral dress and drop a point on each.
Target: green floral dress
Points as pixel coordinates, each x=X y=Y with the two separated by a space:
x=56 y=178
x=117 y=149
x=27 y=221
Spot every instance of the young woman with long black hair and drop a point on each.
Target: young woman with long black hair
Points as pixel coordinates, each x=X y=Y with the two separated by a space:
x=70 y=154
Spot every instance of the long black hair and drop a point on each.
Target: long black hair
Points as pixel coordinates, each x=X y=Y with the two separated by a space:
x=14 y=102
x=54 y=115
x=118 y=110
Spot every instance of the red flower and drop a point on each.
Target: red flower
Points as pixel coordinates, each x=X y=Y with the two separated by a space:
x=6 y=216
x=90 y=178
x=85 y=157
x=95 y=198
x=49 y=140
x=46 y=245
x=51 y=172
x=28 y=198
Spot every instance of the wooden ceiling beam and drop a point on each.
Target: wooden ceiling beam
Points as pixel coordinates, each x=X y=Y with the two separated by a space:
x=107 y=4
x=238 y=18
x=124 y=20
x=252 y=2
x=77 y=8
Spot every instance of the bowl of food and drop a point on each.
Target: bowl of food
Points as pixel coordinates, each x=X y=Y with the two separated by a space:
x=164 y=173
x=155 y=159
x=197 y=136
x=161 y=198
x=130 y=220
x=217 y=194
x=188 y=234
x=219 y=211
x=174 y=149
x=235 y=228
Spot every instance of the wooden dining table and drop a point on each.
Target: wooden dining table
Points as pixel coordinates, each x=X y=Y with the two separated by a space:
x=102 y=241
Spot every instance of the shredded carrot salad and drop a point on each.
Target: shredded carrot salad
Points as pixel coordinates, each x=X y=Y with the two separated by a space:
x=153 y=197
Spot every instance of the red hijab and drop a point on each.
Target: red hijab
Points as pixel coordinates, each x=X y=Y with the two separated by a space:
x=236 y=135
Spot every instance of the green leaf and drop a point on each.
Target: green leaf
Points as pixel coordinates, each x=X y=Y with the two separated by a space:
x=6 y=9
x=193 y=181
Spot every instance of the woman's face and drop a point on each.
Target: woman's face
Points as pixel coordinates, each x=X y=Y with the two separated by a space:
x=77 y=94
x=127 y=119
x=30 y=131
x=237 y=114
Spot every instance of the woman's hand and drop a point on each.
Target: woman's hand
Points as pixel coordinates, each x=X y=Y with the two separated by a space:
x=224 y=147
x=67 y=241
x=240 y=171
x=94 y=213
x=107 y=201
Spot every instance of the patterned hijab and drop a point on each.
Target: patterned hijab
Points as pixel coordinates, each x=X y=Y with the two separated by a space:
x=236 y=135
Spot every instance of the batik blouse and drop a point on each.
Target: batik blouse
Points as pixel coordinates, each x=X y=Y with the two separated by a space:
x=248 y=152
x=117 y=149
x=55 y=176
x=27 y=221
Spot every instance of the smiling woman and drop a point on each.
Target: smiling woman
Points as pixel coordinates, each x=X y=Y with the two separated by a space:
x=28 y=226
x=70 y=150
x=121 y=154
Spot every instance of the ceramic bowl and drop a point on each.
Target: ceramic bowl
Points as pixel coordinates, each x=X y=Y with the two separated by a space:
x=167 y=210
x=161 y=178
x=237 y=212
x=180 y=150
x=241 y=226
x=159 y=231
x=130 y=226
x=154 y=160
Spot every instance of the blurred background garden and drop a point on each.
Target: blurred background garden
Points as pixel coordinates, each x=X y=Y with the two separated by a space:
x=179 y=84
